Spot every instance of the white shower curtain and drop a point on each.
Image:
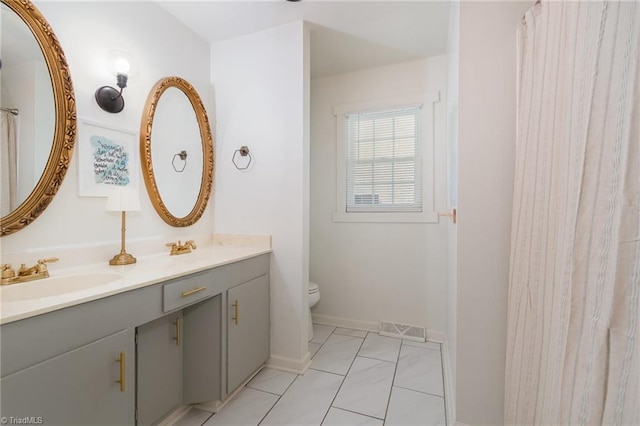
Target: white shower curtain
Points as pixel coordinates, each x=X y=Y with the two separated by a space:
x=8 y=162
x=573 y=335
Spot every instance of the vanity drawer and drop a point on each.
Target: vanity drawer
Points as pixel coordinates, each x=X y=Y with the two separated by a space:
x=186 y=291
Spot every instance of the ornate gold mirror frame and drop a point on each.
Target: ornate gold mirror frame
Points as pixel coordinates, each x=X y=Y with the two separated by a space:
x=146 y=126
x=65 y=120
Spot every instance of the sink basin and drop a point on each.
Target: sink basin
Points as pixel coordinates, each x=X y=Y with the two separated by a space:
x=55 y=286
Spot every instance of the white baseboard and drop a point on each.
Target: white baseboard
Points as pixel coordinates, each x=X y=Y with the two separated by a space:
x=432 y=335
x=461 y=424
x=345 y=323
x=436 y=336
x=291 y=365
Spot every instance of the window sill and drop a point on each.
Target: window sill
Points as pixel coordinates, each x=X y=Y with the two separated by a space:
x=422 y=217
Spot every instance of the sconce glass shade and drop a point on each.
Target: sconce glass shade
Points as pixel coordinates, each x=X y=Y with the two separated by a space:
x=122 y=66
x=120 y=62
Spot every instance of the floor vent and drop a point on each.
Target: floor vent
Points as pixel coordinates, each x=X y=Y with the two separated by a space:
x=403 y=331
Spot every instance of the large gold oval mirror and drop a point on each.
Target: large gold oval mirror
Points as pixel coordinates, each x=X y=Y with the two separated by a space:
x=176 y=149
x=38 y=115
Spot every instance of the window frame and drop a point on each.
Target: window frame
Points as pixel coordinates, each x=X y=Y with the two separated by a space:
x=428 y=213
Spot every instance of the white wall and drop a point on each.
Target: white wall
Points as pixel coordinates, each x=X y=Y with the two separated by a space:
x=486 y=149
x=261 y=86
x=369 y=272
x=453 y=54
x=87 y=32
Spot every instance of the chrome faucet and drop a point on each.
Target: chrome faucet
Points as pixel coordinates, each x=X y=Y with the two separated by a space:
x=36 y=272
x=179 y=248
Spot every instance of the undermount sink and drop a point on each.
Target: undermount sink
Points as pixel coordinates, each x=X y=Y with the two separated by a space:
x=55 y=286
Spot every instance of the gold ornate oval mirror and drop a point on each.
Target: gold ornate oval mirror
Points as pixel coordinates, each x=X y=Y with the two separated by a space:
x=38 y=115
x=176 y=149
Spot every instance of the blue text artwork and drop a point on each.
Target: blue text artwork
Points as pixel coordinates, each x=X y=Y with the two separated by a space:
x=110 y=162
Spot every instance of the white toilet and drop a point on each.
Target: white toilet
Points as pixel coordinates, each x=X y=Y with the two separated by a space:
x=314 y=296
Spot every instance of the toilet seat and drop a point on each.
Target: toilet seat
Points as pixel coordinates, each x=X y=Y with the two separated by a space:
x=313 y=287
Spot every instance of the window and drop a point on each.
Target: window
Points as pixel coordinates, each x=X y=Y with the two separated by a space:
x=385 y=163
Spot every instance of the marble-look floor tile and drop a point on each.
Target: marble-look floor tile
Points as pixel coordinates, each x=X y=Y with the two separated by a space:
x=306 y=401
x=351 y=332
x=339 y=417
x=420 y=370
x=272 y=381
x=321 y=333
x=247 y=408
x=426 y=345
x=193 y=417
x=313 y=348
x=407 y=407
x=337 y=353
x=380 y=347
x=366 y=388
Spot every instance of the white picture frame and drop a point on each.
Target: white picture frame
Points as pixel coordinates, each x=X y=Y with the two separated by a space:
x=107 y=157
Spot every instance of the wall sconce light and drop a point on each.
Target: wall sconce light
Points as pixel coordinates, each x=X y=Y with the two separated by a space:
x=109 y=98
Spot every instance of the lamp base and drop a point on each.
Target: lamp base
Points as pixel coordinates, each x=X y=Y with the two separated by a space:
x=122 y=259
x=109 y=99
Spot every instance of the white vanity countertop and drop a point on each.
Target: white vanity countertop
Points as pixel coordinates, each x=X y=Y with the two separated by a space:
x=148 y=270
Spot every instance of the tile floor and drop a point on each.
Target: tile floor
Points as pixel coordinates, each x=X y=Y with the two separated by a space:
x=355 y=378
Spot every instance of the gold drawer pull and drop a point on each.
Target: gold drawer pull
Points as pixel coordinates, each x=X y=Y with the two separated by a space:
x=194 y=291
x=235 y=316
x=123 y=371
x=177 y=323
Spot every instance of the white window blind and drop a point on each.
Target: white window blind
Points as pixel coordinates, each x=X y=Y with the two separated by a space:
x=383 y=161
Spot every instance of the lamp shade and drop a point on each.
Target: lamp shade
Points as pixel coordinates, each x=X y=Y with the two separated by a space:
x=123 y=199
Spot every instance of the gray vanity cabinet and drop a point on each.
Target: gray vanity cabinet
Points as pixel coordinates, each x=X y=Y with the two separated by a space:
x=159 y=368
x=79 y=387
x=81 y=365
x=247 y=329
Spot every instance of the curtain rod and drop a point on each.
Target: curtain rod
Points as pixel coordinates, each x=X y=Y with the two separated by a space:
x=14 y=111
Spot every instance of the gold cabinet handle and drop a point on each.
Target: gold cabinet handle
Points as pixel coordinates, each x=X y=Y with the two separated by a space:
x=177 y=323
x=123 y=371
x=194 y=291
x=235 y=316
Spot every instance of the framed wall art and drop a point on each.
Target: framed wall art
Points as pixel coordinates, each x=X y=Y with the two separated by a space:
x=107 y=157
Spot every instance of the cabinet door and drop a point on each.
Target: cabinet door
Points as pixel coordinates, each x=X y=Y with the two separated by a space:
x=202 y=352
x=79 y=387
x=247 y=329
x=159 y=368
